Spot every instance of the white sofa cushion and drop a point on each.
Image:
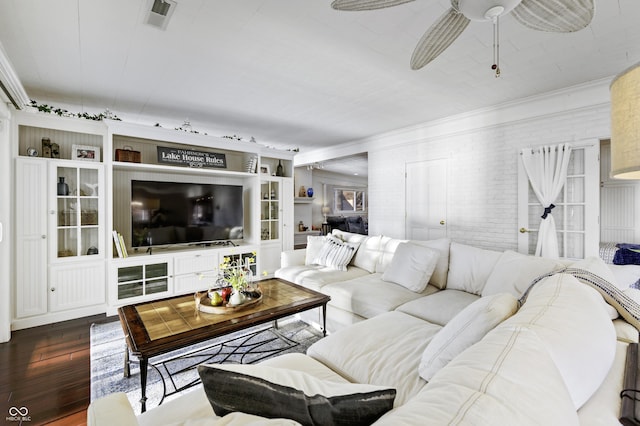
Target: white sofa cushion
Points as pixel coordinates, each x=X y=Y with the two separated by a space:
x=603 y=408
x=439 y=276
x=464 y=330
x=469 y=267
x=412 y=266
x=316 y=277
x=314 y=246
x=514 y=272
x=388 y=248
x=369 y=251
x=439 y=308
x=274 y=392
x=574 y=327
x=508 y=378
x=384 y=350
x=336 y=253
x=368 y=295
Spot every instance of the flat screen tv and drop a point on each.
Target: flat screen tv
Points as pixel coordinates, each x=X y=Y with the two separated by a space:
x=166 y=213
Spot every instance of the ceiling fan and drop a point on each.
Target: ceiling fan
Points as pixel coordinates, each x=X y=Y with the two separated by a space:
x=561 y=16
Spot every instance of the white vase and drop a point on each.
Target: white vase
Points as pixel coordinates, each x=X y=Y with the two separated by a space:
x=236 y=298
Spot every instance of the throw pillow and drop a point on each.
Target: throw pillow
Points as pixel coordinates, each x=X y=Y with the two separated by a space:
x=514 y=272
x=274 y=392
x=464 y=330
x=439 y=276
x=336 y=253
x=411 y=266
x=314 y=245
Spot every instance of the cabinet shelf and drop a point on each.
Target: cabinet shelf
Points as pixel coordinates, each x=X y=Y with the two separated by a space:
x=303 y=200
x=119 y=165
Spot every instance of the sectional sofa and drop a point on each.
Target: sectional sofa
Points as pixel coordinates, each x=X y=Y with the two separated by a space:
x=430 y=333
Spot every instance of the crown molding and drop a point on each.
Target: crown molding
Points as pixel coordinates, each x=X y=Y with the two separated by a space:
x=10 y=83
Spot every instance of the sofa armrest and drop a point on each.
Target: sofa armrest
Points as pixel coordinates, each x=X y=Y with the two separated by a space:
x=113 y=409
x=293 y=258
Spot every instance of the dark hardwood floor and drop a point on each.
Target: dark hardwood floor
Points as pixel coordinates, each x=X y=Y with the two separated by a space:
x=47 y=370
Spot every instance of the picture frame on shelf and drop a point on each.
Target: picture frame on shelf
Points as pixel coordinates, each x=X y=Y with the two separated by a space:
x=265 y=169
x=85 y=153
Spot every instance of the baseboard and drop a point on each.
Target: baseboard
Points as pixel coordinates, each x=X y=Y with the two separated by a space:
x=35 y=321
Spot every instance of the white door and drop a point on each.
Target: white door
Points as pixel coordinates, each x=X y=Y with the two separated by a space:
x=426 y=200
x=577 y=206
x=31 y=237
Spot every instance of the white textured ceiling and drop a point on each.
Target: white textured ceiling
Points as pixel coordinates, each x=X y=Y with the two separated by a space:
x=293 y=73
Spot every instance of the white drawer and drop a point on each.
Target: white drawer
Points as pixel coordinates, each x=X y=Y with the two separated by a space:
x=195 y=263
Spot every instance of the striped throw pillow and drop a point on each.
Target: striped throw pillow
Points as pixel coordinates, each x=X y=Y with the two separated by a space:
x=335 y=253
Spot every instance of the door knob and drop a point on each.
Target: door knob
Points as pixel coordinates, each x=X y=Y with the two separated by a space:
x=442 y=222
x=523 y=230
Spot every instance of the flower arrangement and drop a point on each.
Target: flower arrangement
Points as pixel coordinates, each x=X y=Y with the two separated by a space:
x=236 y=272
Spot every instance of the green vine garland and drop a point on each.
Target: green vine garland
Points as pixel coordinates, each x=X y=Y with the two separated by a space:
x=65 y=113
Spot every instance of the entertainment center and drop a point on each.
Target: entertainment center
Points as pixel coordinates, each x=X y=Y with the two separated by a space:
x=180 y=201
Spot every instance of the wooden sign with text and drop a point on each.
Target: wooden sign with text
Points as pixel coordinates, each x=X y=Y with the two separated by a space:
x=191 y=158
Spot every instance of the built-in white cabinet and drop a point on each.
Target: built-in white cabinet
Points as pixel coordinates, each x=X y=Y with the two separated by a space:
x=59 y=212
x=76 y=209
x=194 y=272
x=76 y=284
x=73 y=190
x=143 y=277
x=59 y=240
x=140 y=277
x=276 y=221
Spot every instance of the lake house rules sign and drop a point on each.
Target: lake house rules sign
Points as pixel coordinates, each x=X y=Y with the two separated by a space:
x=191 y=158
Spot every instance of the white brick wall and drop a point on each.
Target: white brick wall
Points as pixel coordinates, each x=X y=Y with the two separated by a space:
x=483 y=168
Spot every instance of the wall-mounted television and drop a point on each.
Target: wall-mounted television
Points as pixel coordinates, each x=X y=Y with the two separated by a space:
x=166 y=213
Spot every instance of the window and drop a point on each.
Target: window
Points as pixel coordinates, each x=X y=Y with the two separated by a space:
x=349 y=201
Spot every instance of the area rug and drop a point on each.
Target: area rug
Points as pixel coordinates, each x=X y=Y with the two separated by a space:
x=174 y=373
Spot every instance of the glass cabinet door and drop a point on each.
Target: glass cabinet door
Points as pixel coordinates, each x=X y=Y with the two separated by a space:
x=77 y=210
x=269 y=210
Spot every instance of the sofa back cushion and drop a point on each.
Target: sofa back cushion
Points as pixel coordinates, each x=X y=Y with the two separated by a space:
x=514 y=272
x=469 y=267
x=368 y=251
x=314 y=245
x=573 y=325
x=412 y=266
x=441 y=245
x=388 y=248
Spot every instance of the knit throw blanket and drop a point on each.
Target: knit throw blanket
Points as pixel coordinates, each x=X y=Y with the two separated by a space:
x=628 y=308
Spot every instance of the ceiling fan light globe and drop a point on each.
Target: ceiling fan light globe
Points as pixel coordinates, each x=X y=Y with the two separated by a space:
x=486 y=10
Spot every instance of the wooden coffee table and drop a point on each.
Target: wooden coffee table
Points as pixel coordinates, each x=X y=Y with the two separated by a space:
x=161 y=326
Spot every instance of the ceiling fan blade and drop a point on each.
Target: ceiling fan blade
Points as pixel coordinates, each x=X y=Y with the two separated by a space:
x=558 y=16
x=438 y=37
x=365 y=4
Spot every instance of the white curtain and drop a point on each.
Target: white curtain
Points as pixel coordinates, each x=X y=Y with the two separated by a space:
x=547 y=170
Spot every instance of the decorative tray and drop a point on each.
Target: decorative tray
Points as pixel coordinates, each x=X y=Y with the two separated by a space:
x=226 y=308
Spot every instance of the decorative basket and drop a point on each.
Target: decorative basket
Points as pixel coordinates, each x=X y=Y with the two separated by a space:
x=128 y=155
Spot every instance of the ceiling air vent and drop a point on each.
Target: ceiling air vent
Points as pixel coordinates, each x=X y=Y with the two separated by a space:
x=160 y=13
